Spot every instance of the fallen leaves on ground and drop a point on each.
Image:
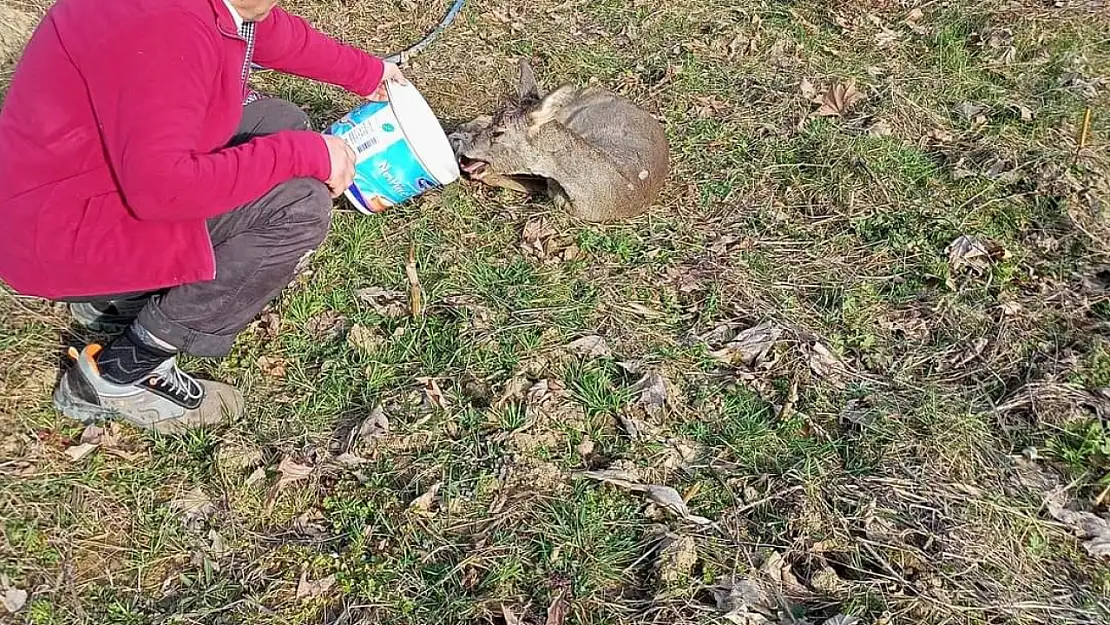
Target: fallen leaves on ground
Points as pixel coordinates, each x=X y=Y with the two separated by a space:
x=433 y=395
x=744 y=602
x=424 y=505
x=268 y=325
x=326 y=326
x=560 y=604
x=384 y=302
x=106 y=436
x=825 y=364
x=651 y=392
x=194 y=507
x=364 y=339
x=13 y=598
x=376 y=425
x=77 y=453
x=272 y=366
x=217 y=546
x=309 y=589
x=591 y=346
x=540 y=240
x=544 y=391
x=748 y=347
x=835 y=101
x=975 y=254
x=664 y=496
x=536 y=232
x=1092 y=529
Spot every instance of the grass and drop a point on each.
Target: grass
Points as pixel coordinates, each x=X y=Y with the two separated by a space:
x=893 y=490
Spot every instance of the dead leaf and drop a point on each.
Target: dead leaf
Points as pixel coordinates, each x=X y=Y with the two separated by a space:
x=14 y=598
x=664 y=496
x=290 y=472
x=1092 y=529
x=77 y=453
x=557 y=611
x=543 y=391
x=326 y=326
x=535 y=236
x=970 y=111
x=886 y=37
x=272 y=366
x=636 y=429
x=839 y=99
x=809 y=92
x=364 y=339
x=586 y=447
x=857 y=413
x=651 y=392
x=310 y=589
x=423 y=505
x=385 y=303
x=309 y=522
x=744 y=602
x=217 y=546
x=514 y=391
x=107 y=436
x=374 y=426
x=433 y=396
x=416 y=293
x=749 y=346
x=915 y=16
x=255 y=477
x=348 y=460
x=880 y=129
x=193 y=507
x=268 y=325
x=592 y=346
x=842 y=619
x=973 y=253
x=824 y=363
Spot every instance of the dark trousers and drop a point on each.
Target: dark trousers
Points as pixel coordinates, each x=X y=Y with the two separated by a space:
x=257 y=247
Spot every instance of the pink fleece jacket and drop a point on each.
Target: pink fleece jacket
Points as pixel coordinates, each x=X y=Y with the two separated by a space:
x=112 y=140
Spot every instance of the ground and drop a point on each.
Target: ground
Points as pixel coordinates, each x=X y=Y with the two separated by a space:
x=906 y=200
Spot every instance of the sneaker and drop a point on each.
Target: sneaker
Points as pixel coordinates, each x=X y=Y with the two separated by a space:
x=168 y=400
x=107 y=317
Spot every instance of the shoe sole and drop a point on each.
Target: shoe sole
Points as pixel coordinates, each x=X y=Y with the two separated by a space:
x=78 y=410
x=88 y=413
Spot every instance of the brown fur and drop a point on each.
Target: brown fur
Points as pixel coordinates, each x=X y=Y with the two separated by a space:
x=603 y=157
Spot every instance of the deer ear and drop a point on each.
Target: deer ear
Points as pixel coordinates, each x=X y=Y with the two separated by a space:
x=528 y=90
x=549 y=107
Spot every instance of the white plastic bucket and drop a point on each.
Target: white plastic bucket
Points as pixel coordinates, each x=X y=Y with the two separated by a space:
x=400 y=150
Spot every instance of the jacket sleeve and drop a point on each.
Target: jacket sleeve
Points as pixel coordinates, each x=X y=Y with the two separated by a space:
x=151 y=89
x=287 y=43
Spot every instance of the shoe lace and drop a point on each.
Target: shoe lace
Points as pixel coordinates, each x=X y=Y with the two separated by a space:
x=181 y=384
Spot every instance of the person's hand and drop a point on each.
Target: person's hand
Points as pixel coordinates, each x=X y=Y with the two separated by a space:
x=391 y=73
x=342 y=165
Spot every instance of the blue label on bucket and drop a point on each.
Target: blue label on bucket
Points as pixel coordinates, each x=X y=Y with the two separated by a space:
x=387 y=172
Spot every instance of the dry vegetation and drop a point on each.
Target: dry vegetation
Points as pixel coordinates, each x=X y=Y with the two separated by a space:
x=854 y=366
